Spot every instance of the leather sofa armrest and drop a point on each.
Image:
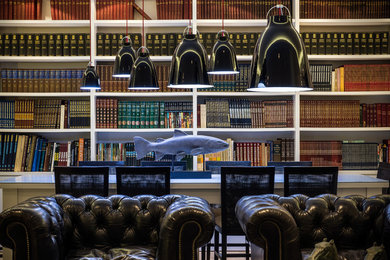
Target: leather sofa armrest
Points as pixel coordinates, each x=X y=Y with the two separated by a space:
x=33 y=229
x=187 y=225
x=270 y=226
x=386 y=229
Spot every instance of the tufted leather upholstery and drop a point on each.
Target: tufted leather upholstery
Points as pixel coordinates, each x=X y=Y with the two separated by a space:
x=116 y=227
x=283 y=226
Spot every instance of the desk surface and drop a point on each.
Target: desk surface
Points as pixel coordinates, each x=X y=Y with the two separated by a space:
x=344 y=180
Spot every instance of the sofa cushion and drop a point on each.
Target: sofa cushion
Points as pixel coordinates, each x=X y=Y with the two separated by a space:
x=122 y=253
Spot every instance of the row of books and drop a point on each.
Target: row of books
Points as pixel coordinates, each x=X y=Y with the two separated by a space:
x=164 y=44
x=111 y=113
x=42 y=113
x=110 y=84
x=343 y=113
x=347 y=155
x=237 y=9
x=346 y=9
x=244 y=113
x=332 y=43
x=180 y=9
x=21 y=10
x=31 y=153
x=41 y=80
x=115 y=10
x=321 y=76
x=259 y=153
x=70 y=10
x=108 y=44
x=61 y=44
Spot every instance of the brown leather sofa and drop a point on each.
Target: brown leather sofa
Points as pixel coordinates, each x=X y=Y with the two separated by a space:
x=169 y=227
x=287 y=228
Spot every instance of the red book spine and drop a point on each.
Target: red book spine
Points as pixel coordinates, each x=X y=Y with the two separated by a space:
x=39 y=10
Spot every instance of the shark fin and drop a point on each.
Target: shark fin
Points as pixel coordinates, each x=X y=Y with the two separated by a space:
x=180 y=156
x=158 y=155
x=159 y=140
x=178 y=133
x=141 y=147
x=197 y=151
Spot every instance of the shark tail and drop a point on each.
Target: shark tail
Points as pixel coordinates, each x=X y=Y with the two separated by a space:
x=141 y=147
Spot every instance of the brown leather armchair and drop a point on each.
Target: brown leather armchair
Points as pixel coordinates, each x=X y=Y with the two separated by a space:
x=169 y=227
x=286 y=228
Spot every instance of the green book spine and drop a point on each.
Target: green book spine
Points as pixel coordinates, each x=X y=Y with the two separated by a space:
x=1 y=44
x=162 y=115
x=363 y=43
x=385 y=43
x=7 y=45
x=149 y=43
x=171 y=43
x=335 y=43
x=349 y=44
x=66 y=45
x=51 y=46
x=133 y=105
x=252 y=42
x=87 y=44
x=15 y=45
x=107 y=45
x=328 y=44
x=164 y=44
x=100 y=44
x=156 y=114
x=142 y=117
x=73 y=45
x=306 y=41
x=157 y=44
x=22 y=45
x=30 y=45
x=80 y=43
x=44 y=42
x=342 y=44
x=377 y=43
x=58 y=43
x=321 y=43
x=114 y=44
x=313 y=43
x=37 y=45
x=136 y=38
x=245 y=44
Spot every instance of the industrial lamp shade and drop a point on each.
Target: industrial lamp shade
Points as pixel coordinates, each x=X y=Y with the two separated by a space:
x=91 y=79
x=279 y=62
x=223 y=58
x=189 y=64
x=143 y=74
x=124 y=59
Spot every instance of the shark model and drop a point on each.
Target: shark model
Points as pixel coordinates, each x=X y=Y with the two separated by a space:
x=179 y=145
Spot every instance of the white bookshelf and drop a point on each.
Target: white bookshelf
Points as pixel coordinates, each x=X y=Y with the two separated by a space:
x=97 y=135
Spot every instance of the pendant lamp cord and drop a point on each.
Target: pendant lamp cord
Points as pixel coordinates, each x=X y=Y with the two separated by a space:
x=280 y=9
x=127 y=27
x=90 y=32
x=143 y=25
x=189 y=16
x=223 y=15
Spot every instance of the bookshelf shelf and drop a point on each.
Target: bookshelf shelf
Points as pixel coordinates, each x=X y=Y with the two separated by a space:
x=231 y=23
x=348 y=57
x=42 y=59
x=138 y=23
x=244 y=130
x=44 y=94
x=344 y=22
x=153 y=58
x=142 y=95
x=348 y=93
x=345 y=129
x=55 y=131
x=243 y=94
x=44 y=23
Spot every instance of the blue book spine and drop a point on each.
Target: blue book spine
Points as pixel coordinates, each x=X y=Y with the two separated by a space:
x=36 y=154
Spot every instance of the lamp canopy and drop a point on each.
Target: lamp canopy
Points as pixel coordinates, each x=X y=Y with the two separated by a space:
x=143 y=74
x=91 y=79
x=279 y=62
x=124 y=59
x=189 y=63
x=223 y=58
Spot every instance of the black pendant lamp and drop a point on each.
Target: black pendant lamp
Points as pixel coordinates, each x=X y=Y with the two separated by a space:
x=143 y=73
x=189 y=63
x=223 y=58
x=91 y=80
x=124 y=59
x=279 y=62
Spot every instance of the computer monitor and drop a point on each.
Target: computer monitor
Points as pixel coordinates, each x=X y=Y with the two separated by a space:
x=110 y=164
x=177 y=165
x=279 y=166
x=215 y=166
